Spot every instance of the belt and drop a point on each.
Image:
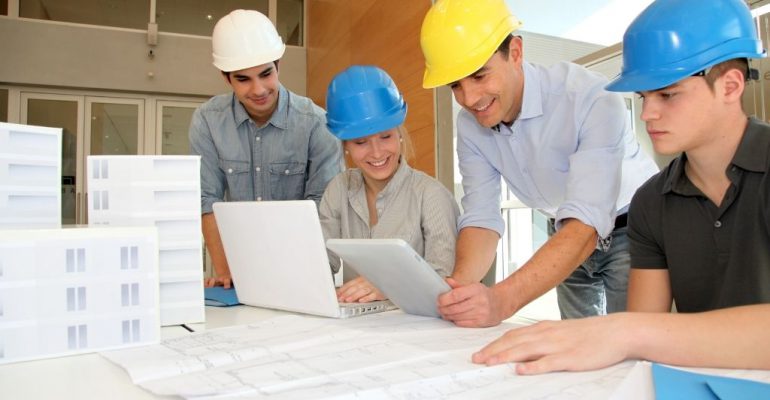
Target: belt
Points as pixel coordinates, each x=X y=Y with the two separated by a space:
x=620 y=221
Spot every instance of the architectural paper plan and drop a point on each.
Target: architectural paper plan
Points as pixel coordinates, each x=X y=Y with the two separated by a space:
x=381 y=356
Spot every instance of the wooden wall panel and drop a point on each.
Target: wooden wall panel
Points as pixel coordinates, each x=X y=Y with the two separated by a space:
x=381 y=33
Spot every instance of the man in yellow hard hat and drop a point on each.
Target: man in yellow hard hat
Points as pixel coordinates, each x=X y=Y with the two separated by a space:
x=562 y=144
x=699 y=230
x=260 y=142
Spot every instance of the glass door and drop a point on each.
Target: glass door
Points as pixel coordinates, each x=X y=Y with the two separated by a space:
x=114 y=126
x=66 y=112
x=173 y=126
x=91 y=126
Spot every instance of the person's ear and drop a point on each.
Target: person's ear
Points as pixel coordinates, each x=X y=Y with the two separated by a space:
x=515 y=49
x=732 y=83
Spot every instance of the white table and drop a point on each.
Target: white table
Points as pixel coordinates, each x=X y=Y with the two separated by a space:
x=90 y=376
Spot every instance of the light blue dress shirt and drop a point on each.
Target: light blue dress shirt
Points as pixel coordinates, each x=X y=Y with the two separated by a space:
x=570 y=153
x=292 y=157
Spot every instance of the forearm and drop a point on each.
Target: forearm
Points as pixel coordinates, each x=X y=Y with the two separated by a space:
x=549 y=266
x=475 y=252
x=214 y=245
x=724 y=338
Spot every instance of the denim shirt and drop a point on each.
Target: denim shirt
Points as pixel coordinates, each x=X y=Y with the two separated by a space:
x=292 y=157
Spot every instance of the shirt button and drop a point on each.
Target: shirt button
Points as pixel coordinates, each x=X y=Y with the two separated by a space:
x=258 y=138
x=286 y=172
x=259 y=198
x=718 y=224
x=258 y=169
x=229 y=170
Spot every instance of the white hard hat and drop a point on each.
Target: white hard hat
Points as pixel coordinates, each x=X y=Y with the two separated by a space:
x=245 y=39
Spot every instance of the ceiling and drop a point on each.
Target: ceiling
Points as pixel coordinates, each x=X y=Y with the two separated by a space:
x=593 y=21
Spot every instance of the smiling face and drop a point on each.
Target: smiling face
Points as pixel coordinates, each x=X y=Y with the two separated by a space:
x=257 y=89
x=376 y=156
x=493 y=93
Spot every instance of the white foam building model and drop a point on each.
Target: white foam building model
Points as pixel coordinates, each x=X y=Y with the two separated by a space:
x=161 y=191
x=77 y=290
x=30 y=175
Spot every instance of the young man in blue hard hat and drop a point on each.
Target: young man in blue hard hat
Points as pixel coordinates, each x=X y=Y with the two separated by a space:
x=700 y=229
x=261 y=142
x=561 y=143
x=382 y=197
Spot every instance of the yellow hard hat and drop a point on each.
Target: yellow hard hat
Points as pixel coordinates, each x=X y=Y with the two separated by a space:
x=459 y=36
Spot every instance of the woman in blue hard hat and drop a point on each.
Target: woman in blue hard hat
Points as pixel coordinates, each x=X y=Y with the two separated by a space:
x=382 y=197
x=700 y=229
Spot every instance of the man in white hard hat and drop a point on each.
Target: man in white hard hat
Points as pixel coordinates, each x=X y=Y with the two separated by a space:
x=260 y=142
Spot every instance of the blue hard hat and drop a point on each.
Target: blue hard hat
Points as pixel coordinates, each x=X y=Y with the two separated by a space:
x=673 y=39
x=361 y=101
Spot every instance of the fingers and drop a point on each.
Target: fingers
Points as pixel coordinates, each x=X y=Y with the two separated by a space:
x=357 y=290
x=468 y=306
x=375 y=295
x=518 y=344
x=452 y=283
x=218 y=281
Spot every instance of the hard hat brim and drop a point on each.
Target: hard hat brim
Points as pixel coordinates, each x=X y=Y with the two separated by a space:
x=247 y=61
x=366 y=128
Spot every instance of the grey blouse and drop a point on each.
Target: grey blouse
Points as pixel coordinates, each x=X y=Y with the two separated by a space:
x=413 y=207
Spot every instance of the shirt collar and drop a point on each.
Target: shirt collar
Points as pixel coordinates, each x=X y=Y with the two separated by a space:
x=753 y=151
x=752 y=155
x=279 y=118
x=531 y=99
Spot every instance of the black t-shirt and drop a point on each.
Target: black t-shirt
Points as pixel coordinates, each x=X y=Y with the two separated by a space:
x=717 y=257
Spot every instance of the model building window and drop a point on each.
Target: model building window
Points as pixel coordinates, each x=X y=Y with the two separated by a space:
x=131 y=331
x=76 y=298
x=76 y=260
x=129 y=293
x=77 y=337
x=129 y=257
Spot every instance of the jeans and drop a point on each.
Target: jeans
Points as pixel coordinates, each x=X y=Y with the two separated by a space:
x=599 y=285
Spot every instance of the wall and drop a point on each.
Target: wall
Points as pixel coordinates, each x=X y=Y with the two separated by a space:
x=84 y=56
x=381 y=33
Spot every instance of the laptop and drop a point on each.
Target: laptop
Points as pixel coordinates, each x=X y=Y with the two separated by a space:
x=396 y=269
x=277 y=258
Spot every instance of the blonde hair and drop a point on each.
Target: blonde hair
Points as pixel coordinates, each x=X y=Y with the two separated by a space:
x=407 y=148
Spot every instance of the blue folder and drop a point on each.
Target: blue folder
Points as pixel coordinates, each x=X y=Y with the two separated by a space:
x=220 y=297
x=672 y=383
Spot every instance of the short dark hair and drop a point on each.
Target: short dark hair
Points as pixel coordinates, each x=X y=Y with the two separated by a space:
x=227 y=73
x=504 y=46
x=741 y=64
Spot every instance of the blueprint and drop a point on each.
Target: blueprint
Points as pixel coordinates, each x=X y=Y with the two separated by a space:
x=381 y=356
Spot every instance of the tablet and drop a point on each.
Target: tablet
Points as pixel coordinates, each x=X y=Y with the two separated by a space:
x=396 y=269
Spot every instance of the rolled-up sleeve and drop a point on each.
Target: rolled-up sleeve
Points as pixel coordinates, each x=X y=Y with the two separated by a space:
x=595 y=169
x=212 y=177
x=481 y=183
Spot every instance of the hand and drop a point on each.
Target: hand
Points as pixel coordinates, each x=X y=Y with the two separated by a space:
x=569 y=345
x=358 y=290
x=473 y=305
x=219 y=280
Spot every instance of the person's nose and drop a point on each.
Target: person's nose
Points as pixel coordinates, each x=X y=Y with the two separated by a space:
x=650 y=111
